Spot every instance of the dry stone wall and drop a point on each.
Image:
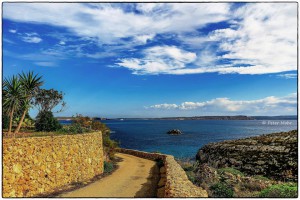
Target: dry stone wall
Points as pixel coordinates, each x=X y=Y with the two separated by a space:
x=173 y=179
x=272 y=155
x=38 y=165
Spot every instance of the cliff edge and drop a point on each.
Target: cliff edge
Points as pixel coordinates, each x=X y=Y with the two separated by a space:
x=272 y=155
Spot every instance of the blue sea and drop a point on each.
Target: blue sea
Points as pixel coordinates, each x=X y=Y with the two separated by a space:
x=151 y=135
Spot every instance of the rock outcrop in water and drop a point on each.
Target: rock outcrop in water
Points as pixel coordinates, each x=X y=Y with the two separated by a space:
x=273 y=155
x=174 y=132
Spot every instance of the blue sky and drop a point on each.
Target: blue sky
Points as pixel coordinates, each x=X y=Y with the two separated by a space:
x=158 y=59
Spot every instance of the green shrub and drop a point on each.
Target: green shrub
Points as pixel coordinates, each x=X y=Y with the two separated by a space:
x=45 y=121
x=108 y=167
x=259 y=177
x=221 y=190
x=230 y=170
x=286 y=190
x=191 y=176
x=73 y=129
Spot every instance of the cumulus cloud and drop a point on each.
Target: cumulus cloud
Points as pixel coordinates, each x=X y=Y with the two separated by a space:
x=263 y=40
x=109 y=23
x=266 y=105
x=33 y=39
x=159 y=59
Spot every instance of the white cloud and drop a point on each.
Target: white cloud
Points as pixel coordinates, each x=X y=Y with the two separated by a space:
x=12 y=31
x=144 y=38
x=159 y=59
x=271 y=104
x=109 y=23
x=62 y=43
x=46 y=64
x=30 y=39
x=287 y=76
x=261 y=37
x=262 y=41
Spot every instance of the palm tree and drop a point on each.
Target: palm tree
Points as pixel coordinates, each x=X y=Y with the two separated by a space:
x=13 y=95
x=30 y=83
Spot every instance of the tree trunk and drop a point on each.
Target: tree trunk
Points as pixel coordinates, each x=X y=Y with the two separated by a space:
x=21 y=121
x=11 y=114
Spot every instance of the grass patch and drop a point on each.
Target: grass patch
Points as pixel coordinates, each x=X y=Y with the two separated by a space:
x=230 y=170
x=259 y=177
x=286 y=190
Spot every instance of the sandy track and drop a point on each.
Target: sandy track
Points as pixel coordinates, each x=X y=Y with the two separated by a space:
x=135 y=177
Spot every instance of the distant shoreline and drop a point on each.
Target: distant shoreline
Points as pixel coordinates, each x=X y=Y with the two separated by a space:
x=238 y=117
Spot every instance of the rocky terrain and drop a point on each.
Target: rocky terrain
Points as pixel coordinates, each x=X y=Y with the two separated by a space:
x=272 y=155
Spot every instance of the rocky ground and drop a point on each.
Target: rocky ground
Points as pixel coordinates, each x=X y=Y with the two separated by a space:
x=272 y=155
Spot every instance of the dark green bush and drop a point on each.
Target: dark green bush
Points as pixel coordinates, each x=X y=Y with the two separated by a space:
x=5 y=121
x=286 y=190
x=221 y=190
x=45 y=121
x=108 y=167
x=159 y=162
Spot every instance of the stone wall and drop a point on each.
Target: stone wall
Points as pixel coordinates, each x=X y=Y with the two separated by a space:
x=37 y=165
x=173 y=181
x=271 y=155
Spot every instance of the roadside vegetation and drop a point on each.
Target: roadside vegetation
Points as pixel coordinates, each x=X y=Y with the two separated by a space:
x=22 y=92
x=230 y=182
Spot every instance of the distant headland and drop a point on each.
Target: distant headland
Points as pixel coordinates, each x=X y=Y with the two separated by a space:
x=236 y=117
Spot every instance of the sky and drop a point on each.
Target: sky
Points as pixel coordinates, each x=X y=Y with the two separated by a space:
x=158 y=59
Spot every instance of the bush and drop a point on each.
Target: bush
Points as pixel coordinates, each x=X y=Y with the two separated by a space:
x=191 y=176
x=74 y=128
x=230 y=170
x=45 y=121
x=108 y=167
x=221 y=190
x=286 y=190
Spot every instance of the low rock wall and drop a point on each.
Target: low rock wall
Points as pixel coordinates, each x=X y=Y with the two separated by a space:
x=38 y=165
x=173 y=180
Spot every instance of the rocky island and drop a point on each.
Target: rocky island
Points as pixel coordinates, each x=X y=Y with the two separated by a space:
x=174 y=132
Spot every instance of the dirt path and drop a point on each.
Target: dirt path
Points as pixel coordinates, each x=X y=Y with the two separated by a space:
x=135 y=177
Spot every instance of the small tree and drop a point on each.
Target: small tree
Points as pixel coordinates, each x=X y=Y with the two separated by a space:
x=13 y=96
x=46 y=100
x=29 y=83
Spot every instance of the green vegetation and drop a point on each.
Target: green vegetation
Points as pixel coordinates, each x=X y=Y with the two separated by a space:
x=221 y=190
x=286 y=190
x=45 y=121
x=13 y=96
x=108 y=167
x=259 y=177
x=30 y=83
x=229 y=182
x=230 y=170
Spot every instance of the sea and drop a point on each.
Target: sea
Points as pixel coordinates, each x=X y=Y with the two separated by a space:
x=151 y=135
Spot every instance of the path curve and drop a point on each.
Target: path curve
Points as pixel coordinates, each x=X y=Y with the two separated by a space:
x=135 y=177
